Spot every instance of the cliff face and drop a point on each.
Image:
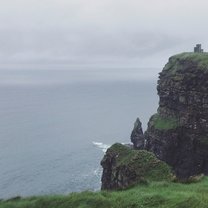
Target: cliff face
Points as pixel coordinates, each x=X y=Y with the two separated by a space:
x=178 y=133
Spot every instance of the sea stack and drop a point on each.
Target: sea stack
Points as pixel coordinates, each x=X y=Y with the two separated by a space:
x=137 y=136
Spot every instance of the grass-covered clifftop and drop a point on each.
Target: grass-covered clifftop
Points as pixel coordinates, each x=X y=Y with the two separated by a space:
x=199 y=59
x=155 y=194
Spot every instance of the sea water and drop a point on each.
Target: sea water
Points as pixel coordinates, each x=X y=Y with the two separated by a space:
x=55 y=126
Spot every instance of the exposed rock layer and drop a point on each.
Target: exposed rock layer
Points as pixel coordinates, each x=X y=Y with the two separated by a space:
x=178 y=133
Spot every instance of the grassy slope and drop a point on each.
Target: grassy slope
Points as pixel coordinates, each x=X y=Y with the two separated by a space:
x=157 y=194
x=200 y=59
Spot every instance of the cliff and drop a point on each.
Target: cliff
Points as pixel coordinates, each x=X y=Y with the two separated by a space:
x=178 y=133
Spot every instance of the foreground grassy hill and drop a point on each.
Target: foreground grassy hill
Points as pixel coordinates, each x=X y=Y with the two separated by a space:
x=155 y=194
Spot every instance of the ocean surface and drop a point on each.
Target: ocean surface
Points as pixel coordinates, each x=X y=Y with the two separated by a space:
x=55 y=125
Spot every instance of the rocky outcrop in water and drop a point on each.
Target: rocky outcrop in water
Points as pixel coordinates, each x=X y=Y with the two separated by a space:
x=137 y=136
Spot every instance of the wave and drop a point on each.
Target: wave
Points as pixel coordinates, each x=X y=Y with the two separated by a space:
x=98 y=172
x=102 y=146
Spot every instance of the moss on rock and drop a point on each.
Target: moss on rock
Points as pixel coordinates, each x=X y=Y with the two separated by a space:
x=176 y=62
x=164 y=123
x=178 y=134
x=125 y=167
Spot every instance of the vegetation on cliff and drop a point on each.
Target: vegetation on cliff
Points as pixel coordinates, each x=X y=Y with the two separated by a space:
x=178 y=133
x=200 y=60
x=164 y=123
x=155 y=194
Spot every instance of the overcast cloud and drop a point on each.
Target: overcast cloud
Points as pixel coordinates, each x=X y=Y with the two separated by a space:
x=100 y=32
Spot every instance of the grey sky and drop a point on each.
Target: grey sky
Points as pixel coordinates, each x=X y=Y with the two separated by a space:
x=100 y=32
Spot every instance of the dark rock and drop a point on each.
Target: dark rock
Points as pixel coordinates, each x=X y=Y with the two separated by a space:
x=16 y=198
x=124 y=167
x=178 y=133
x=137 y=136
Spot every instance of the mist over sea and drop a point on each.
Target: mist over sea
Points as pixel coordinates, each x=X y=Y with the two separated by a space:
x=56 y=124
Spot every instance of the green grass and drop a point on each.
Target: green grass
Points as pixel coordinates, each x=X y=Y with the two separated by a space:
x=200 y=60
x=162 y=123
x=154 y=195
x=143 y=163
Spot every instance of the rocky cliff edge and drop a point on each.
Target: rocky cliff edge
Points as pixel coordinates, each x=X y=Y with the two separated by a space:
x=178 y=133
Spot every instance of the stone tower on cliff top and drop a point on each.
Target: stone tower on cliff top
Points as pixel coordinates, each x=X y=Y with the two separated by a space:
x=198 y=49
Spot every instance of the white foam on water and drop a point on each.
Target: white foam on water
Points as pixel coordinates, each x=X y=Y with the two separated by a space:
x=98 y=172
x=102 y=146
